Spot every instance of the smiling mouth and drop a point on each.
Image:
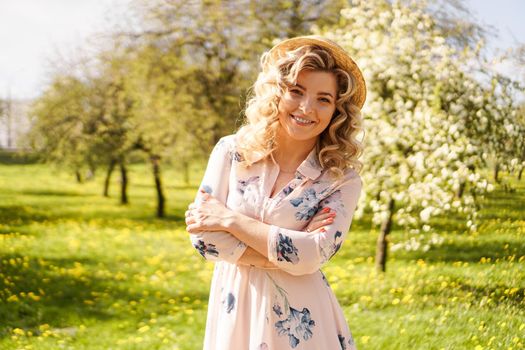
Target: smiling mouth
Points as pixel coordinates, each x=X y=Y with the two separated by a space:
x=301 y=121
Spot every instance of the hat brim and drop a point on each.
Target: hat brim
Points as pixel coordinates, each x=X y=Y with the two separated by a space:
x=342 y=59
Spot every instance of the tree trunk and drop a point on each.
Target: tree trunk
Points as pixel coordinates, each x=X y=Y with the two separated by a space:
x=382 y=240
x=461 y=189
x=78 y=175
x=187 y=173
x=158 y=186
x=520 y=173
x=111 y=167
x=123 y=184
x=496 y=172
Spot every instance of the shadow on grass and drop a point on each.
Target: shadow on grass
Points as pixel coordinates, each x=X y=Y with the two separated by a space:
x=191 y=187
x=19 y=218
x=496 y=293
x=69 y=292
x=15 y=215
x=464 y=251
x=55 y=193
x=500 y=205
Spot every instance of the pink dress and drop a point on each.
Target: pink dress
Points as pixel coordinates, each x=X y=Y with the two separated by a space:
x=293 y=306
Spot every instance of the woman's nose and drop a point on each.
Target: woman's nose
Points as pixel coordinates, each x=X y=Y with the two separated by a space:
x=306 y=105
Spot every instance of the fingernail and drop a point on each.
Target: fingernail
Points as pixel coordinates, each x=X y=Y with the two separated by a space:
x=325 y=210
x=332 y=215
x=329 y=220
x=323 y=229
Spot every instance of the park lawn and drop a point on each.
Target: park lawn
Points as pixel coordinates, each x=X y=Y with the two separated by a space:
x=80 y=271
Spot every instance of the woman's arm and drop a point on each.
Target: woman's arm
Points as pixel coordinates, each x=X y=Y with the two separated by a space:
x=296 y=252
x=217 y=246
x=252 y=257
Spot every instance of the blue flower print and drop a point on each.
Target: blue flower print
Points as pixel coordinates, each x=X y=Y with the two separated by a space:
x=237 y=157
x=287 y=190
x=336 y=246
x=286 y=251
x=230 y=302
x=277 y=309
x=307 y=204
x=335 y=202
x=243 y=184
x=204 y=248
x=331 y=248
x=207 y=189
x=297 y=326
x=342 y=341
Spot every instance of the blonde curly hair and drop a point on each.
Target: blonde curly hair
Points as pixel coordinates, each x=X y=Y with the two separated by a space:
x=337 y=147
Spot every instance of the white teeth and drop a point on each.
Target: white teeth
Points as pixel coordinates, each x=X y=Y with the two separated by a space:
x=301 y=120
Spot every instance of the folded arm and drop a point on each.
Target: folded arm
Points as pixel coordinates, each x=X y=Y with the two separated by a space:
x=218 y=246
x=302 y=252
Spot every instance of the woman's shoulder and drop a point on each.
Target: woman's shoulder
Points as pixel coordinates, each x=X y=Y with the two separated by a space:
x=351 y=173
x=228 y=144
x=228 y=140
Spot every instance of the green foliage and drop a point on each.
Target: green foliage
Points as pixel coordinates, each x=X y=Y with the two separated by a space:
x=9 y=157
x=77 y=271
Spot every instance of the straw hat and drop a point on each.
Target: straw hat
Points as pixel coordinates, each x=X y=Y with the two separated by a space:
x=342 y=59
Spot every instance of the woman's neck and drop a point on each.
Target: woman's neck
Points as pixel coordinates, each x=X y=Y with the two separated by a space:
x=291 y=153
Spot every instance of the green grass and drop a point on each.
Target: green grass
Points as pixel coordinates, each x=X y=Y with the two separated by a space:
x=80 y=271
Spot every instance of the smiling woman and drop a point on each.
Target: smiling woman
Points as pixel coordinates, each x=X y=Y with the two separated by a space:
x=277 y=201
x=307 y=108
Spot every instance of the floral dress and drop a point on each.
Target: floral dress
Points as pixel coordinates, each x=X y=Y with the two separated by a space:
x=291 y=306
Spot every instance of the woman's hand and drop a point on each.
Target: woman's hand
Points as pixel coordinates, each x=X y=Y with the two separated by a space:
x=323 y=218
x=207 y=214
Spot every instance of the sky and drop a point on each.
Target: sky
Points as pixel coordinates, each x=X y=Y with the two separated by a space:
x=33 y=32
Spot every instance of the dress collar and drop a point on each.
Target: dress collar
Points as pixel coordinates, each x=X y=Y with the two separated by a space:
x=310 y=167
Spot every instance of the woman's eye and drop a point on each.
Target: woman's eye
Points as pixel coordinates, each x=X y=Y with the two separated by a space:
x=324 y=100
x=296 y=92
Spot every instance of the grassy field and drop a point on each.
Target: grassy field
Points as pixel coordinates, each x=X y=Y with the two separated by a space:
x=79 y=271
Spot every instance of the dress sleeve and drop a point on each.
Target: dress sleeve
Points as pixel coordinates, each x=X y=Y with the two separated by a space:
x=217 y=246
x=301 y=252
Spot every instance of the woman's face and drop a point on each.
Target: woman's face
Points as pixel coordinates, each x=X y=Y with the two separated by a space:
x=306 y=109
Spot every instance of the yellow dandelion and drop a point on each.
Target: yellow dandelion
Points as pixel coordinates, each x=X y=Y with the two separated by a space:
x=144 y=329
x=18 y=331
x=33 y=296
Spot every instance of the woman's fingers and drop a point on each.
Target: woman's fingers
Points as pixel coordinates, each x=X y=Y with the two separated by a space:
x=323 y=218
x=315 y=226
x=325 y=212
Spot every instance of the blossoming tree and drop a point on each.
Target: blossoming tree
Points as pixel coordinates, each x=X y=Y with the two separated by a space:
x=423 y=120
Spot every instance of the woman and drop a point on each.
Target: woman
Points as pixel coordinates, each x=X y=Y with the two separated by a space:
x=277 y=200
